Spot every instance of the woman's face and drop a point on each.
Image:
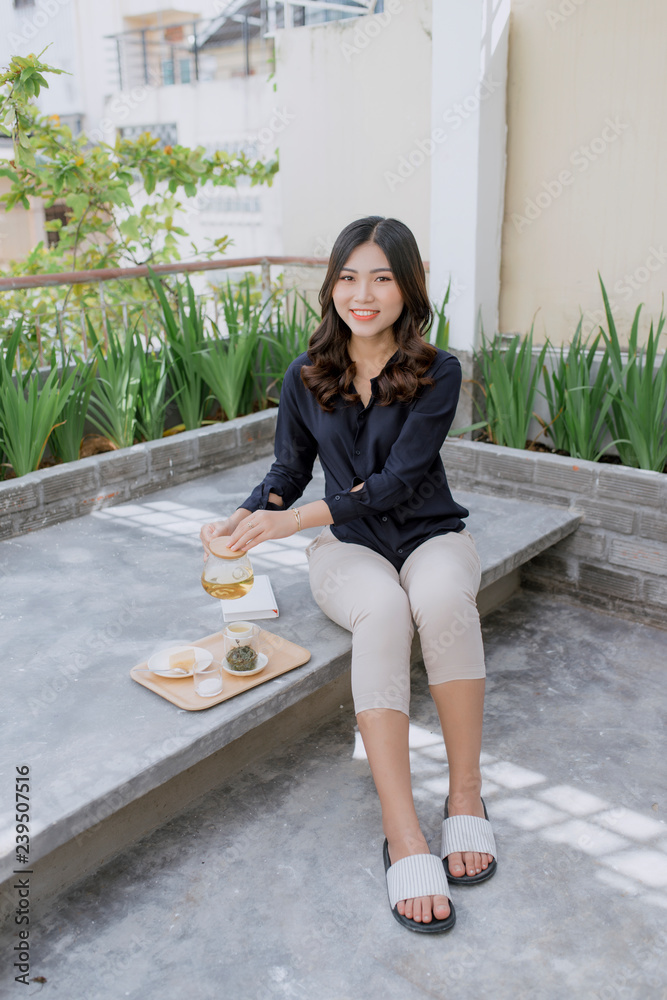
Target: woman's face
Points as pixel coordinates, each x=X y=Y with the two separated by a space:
x=366 y=295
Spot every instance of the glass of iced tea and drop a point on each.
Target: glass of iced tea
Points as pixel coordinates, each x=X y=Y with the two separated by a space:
x=227 y=574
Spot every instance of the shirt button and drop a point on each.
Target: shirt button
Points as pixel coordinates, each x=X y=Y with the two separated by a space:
x=357 y=452
x=384 y=518
x=336 y=497
x=400 y=550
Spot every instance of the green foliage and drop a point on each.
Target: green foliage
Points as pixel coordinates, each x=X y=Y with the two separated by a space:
x=152 y=402
x=442 y=321
x=227 y=363
x=637 y=417
x=66 y=438
x=185 y=334
x=115 y=395
x=97 y=185
x=510 y=384
x=28 y=412
x=291 y=330
x=578 y=402
x=9 y=360
x=22 y=82
x=227 y=368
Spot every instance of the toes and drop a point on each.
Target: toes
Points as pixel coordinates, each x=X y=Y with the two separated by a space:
x=456 y=866
x=473 y=863
x=422 y=910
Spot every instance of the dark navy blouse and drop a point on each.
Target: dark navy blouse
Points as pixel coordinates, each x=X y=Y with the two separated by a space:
x=394 y=450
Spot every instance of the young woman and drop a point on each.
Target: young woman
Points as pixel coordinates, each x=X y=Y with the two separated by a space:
x=375 y=401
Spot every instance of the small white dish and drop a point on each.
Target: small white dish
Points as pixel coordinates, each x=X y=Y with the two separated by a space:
x=159 y=662
x=262 y=660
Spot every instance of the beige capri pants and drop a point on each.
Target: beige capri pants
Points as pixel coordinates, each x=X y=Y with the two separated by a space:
x=436 y=589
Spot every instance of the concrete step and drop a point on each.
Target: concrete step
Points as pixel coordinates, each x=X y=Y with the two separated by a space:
x=86 y=599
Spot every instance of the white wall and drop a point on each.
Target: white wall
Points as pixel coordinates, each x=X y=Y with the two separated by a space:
x=358 y=92
x=587 y=148
x=468 y=162
x=218 y=114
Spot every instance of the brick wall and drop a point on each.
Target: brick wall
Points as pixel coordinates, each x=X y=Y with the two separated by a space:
x=617 y=558
x=74 y=488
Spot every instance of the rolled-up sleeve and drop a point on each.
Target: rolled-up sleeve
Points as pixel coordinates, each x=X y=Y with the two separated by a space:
x=295 y=452
x=412 y=454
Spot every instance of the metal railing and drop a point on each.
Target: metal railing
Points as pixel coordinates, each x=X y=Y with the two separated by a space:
x=211 y=49
x=131 y=311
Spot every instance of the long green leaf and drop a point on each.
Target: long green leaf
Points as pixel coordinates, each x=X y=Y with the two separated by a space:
x=113 y=402
x=28 y=414
x=637 y=417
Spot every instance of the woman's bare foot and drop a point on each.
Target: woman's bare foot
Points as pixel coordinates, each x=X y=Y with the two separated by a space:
x=468 y=862
x=424 y=908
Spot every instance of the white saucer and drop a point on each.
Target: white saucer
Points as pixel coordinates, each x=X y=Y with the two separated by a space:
x=159 y=662
x=262 y=660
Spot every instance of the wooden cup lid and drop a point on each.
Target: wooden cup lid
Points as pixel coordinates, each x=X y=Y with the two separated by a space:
x=218 y=547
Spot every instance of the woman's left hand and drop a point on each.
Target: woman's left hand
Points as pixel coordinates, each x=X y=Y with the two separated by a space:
x=262 y=525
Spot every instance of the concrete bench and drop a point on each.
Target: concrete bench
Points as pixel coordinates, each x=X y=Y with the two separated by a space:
x=84 y=600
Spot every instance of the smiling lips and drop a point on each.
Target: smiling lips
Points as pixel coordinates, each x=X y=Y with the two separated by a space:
x=364 y=314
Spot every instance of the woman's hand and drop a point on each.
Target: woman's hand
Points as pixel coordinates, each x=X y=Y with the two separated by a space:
x=262 y=525
x=218 y=528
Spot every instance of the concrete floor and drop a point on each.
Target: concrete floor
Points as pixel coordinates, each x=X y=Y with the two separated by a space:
x=273 y=885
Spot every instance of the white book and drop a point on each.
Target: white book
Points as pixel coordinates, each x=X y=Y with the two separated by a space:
x=260 y=602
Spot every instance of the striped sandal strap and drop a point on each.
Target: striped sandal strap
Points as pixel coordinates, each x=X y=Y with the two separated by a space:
x=416 y=875
x=467 y=833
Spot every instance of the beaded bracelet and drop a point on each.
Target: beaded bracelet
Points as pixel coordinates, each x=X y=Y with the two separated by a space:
x=297 y=514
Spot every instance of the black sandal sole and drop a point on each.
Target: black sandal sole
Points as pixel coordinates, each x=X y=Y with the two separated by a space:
x=434 y=926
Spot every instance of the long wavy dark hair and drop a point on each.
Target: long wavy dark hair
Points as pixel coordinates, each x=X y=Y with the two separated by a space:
x=332 y=371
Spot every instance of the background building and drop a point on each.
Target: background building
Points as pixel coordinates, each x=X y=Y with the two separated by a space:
x=521 y=141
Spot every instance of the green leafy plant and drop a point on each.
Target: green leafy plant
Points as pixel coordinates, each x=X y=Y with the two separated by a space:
x=637 y=417
x=152 y=402
x=28 y=412
x=579 y=402
x=227 y=366
x=113 y=402
x=442 y=321
x=184 y=330
x=227 y=362
x=510 y=380
x=96 y=184
x=292 y=326
x=65 y=441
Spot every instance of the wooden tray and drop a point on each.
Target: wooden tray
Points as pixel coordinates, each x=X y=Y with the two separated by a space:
x=283 y=656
